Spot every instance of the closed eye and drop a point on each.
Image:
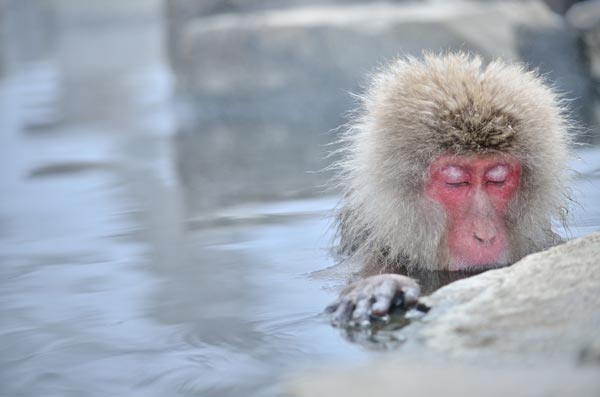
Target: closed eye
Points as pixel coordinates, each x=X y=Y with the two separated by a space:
x=497 y=175
x=497 y=183
x=454 y=176
x=457 y=184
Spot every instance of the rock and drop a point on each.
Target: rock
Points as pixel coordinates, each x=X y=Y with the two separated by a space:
x=392 y=379
x=547 y=304
x=246 y=162
x=274 y=82
x=560 y=6
x=585 y=17
x=531 y=328
x=297 y=65
x=181 y=12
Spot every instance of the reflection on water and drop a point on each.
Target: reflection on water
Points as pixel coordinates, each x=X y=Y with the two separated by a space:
x=113 y=279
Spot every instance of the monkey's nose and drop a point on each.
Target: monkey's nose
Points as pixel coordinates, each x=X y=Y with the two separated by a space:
x=484 y=232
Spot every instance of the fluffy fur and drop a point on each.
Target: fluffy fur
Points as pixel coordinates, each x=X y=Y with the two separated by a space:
x=415 y=110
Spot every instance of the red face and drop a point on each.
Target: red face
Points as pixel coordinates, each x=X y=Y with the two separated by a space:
x=475 y=192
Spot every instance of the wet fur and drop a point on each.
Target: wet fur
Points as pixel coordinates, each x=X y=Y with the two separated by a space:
x=417 y=109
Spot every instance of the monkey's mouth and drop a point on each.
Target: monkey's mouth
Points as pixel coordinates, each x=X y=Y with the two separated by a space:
x=472 y=253
x=484 y=261
x=476 y=268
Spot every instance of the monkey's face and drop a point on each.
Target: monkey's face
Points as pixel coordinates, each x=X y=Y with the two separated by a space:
x=475 y=191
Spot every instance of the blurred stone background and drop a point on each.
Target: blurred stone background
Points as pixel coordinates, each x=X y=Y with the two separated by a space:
x=260 y=86
x=264 y=75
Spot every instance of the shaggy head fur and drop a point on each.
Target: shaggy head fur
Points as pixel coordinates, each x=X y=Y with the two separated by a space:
x=416 y=110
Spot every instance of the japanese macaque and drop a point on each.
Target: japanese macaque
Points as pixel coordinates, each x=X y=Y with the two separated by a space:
x=450 y=165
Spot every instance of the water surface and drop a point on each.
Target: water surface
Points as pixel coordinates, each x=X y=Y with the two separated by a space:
x=133 y=265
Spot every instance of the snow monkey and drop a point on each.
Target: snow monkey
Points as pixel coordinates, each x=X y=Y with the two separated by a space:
x=449 y=165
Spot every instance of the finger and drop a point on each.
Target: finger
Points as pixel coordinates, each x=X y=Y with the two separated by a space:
x=411 y=295
x=386 y=287
x=382 y=305
x=383 y=298
x=362 y=311
x=343 y=313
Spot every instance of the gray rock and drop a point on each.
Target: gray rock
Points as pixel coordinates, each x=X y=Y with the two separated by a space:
x=547 y=304
x=296 y=66
x=560 y=6
x=392 y=379
x=531 y=328
x=585 y=17
x=181 y=12
x=275 y=82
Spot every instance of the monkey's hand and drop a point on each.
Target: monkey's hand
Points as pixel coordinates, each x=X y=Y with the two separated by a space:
x=374 y=296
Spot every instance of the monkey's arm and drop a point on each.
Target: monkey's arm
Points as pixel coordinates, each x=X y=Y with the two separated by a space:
x=373 y=296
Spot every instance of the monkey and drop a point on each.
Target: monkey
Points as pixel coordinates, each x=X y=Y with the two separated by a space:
x=449 y=164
